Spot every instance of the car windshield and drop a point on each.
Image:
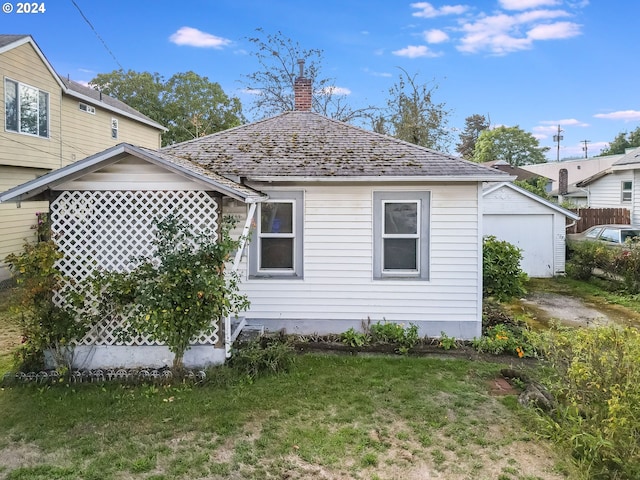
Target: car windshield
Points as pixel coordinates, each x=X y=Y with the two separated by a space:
x=629 y=234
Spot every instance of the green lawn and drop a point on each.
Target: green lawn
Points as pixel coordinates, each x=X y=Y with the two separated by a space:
x=330 y=417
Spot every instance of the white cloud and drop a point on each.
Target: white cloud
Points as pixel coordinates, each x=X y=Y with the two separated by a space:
x=502 y=33
x=334 y=91
x=626 y=115
x=526 y=4
x=569 y=122
x=554 y=31
x=195 y=38
x=426 y=10
x=377 y=74
x=415 y=51
x=251 y=91
x=435 y=36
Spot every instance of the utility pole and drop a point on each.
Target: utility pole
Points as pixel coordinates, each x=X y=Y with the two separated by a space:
x=585 y=148
x=557 y=138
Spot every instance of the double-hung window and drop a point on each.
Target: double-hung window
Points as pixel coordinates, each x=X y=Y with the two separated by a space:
x=26 y=109
x=276 y=244
x=627 y=191
x=401 y=240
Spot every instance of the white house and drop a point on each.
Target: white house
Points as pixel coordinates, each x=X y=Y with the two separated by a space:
x=347 y=225
x=617 y=186
x=531 y=223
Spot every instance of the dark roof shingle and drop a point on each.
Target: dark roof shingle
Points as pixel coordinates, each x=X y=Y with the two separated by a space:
x=305 y=144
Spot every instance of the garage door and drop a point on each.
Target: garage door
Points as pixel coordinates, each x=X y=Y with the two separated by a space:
x=531 y=233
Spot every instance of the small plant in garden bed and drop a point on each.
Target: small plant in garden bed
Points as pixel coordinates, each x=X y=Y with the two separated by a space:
x=354 y=338
x=505 y=339
x=266 y=355
x=395 y=333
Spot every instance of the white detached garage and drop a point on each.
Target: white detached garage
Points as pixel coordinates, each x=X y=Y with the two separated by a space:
x=531 y=223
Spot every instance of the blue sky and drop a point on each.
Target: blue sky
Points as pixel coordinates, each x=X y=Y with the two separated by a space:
x=532 y=63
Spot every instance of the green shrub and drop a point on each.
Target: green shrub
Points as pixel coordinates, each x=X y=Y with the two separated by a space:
x=45 y=323
x=353 y=338
x=626 y=264
x=263 y=356
x=396 y=333
x=597 y=383
x=586 y=256
x=507 y=339
x=502 y=276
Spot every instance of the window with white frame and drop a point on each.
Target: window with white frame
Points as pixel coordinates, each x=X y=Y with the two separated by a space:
x=627 y=191
x=114 y=128
x=276 y=244
x=26 y=109
x=87 y=108
x=401 y=235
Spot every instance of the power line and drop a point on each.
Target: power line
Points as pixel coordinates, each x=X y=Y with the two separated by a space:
x=97 y=34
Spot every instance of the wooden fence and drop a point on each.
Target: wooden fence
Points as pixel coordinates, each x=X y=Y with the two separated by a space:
x=598 y=216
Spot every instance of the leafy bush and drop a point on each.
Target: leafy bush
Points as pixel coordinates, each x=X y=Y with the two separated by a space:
x=45 y=324
x=262 y=356
x=353 y=338
x=502 y=276
x=596 y=380
x=626 y=264
x=586 y=256
x=505 y=338
x=396 y=333
x=177 y=294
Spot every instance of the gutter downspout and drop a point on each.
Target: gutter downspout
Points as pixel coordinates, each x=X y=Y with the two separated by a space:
x=234 y=268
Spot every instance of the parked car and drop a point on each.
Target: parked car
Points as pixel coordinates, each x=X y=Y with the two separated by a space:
x=612 y=235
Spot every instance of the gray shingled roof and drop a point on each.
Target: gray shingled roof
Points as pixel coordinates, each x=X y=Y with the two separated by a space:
x=6 y=39
x=308 y=144
x=631 y=157
x=104 y=100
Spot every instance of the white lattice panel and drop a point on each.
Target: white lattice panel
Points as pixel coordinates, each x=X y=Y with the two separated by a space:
x=111 y=229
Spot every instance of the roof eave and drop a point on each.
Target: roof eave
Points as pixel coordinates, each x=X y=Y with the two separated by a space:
x=75 y=170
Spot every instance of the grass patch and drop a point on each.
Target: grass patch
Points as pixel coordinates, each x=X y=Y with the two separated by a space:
x=331 y=415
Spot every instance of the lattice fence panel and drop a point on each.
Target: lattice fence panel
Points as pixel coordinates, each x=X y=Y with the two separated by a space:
x=111 y=229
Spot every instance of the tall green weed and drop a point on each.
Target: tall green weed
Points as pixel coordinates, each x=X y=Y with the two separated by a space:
x=597 y=385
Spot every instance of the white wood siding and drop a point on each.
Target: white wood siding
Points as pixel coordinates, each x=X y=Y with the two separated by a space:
x=635 y=207
x=131 y=174
x=338 y=280
x=606 y=192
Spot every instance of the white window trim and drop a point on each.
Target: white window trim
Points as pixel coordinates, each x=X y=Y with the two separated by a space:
x=414 y=236
x=296 y=198
x=626 y=190
x=423 y=198
x=19 y=84
x=114 y=128
x=87 y=108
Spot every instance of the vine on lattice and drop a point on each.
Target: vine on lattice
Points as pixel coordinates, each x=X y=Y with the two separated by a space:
x=109 y=230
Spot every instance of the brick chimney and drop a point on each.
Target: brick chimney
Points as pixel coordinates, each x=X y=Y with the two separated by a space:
x=302 y=91
x=563 y=181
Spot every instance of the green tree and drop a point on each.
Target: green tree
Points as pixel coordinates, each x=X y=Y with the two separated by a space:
x=179 y=293
x=510 y=144
x=535 y=185
x=623 y=141
x=474 y=126
x=413 y=116
x=273 y=83
x=187 y=104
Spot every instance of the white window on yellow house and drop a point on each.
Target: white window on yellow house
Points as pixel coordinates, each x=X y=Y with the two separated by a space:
x=114 y=128
x=26 y=109
x=627 y=191
x=87 y=108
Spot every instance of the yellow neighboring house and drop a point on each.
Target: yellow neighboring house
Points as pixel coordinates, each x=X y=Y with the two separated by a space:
x=48 y=122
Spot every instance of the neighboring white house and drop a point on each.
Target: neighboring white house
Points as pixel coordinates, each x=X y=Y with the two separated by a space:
x=577 y=170
x=531 y=223
x=618 y=186
x=347 y=225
